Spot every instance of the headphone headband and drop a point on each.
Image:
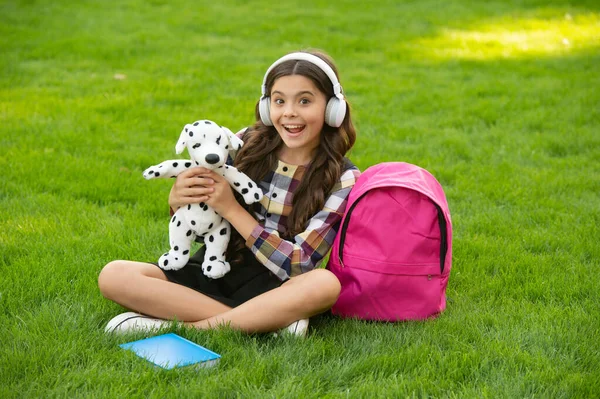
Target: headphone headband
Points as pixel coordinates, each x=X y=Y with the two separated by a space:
x=313 y=59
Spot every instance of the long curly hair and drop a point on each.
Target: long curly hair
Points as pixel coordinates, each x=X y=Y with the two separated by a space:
x=258 y=156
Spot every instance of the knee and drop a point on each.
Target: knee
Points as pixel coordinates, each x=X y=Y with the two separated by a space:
x=323 y=287
x=111 y=279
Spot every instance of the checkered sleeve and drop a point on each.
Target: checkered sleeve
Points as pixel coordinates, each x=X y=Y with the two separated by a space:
x=306 y=251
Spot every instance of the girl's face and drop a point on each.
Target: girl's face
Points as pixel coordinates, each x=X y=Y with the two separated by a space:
x=298 y=114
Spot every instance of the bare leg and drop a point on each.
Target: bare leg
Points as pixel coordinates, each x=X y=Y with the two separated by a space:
x=302 y=297
x=144 y=288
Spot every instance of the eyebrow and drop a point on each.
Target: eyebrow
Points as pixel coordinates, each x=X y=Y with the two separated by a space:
x=302 y=93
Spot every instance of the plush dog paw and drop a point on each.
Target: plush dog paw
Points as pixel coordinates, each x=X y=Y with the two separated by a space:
x=152 y=172
x=172 y=261
x=215 y=269
x=251 y=193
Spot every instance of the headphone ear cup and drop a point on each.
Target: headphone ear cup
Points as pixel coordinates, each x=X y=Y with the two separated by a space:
x=335 y=112
x=264 y=109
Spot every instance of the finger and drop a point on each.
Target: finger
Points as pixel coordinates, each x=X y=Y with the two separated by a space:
x=196 y=191
x=199 y=171
x=193 y=192
x=216 y=177
x=192 y=200
x=196 y=200
x=200 y=181
x=189 y=173
x=187 y=182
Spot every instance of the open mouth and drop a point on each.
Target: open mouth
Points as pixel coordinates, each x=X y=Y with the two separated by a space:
x=294 y=129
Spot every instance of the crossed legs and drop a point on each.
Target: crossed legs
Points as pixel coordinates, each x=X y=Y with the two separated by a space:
x=144 y=288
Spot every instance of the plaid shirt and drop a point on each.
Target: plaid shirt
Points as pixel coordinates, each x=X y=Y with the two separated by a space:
x=289 y=257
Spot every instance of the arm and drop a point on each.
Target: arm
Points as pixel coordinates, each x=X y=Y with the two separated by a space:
x=216 y=192
x=307 y=249
x=282 y=257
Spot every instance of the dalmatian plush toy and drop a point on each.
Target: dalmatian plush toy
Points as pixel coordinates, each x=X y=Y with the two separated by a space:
x=208 y=145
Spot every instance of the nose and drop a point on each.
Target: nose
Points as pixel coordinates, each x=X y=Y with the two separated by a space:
x=289 y=109
x=212 y=158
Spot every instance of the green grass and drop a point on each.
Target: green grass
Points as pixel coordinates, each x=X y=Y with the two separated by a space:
x=499 y=100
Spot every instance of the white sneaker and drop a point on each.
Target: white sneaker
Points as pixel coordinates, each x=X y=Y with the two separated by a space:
x=134 y=322
x=298 y=328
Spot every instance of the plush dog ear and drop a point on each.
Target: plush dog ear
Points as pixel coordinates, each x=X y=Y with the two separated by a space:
x=235 y=143
x=182 y=139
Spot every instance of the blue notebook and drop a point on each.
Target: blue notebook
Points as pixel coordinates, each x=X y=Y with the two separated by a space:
x=170 y=350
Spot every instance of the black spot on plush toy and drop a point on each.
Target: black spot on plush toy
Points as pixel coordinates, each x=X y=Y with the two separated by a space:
x=208 y=145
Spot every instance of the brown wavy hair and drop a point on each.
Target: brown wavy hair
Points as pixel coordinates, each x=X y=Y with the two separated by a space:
x=258 y=156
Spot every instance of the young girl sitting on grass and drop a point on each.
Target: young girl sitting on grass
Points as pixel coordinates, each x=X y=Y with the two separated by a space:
x=296 y=150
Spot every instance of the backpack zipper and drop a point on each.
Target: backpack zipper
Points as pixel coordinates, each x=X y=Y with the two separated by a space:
x=441 y=223
x=444 y=236
x=345 y=227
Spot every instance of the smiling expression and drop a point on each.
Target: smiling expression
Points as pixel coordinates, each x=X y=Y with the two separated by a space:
x=298 y=113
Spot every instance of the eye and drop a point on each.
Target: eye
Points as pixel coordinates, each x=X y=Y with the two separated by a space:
x=304 y=101
x=278 y=101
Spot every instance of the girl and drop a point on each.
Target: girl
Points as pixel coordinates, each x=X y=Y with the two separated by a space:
x=296 y=151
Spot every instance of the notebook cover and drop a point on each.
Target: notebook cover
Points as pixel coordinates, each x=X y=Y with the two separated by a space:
x=170 y=350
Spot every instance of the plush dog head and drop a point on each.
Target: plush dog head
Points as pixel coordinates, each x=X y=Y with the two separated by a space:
x=207 y=143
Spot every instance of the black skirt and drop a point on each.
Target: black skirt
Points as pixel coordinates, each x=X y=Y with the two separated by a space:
x=243 y=282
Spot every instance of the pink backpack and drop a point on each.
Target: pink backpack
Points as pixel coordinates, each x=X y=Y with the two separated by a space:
x=393 y=252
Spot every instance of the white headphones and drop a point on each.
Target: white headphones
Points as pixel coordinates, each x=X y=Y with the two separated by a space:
x=336 y=106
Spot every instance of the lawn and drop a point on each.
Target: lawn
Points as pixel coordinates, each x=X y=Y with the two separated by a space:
x=500 y=100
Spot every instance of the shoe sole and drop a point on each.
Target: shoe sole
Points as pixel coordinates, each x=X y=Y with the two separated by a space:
x=117 y=321
x=300 y=328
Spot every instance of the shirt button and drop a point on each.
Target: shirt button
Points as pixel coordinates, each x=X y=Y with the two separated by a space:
x=268 y=215
x=274 y=195
x=285 y=168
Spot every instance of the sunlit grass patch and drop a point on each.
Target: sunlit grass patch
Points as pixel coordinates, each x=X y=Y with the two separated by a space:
x=514 y=37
